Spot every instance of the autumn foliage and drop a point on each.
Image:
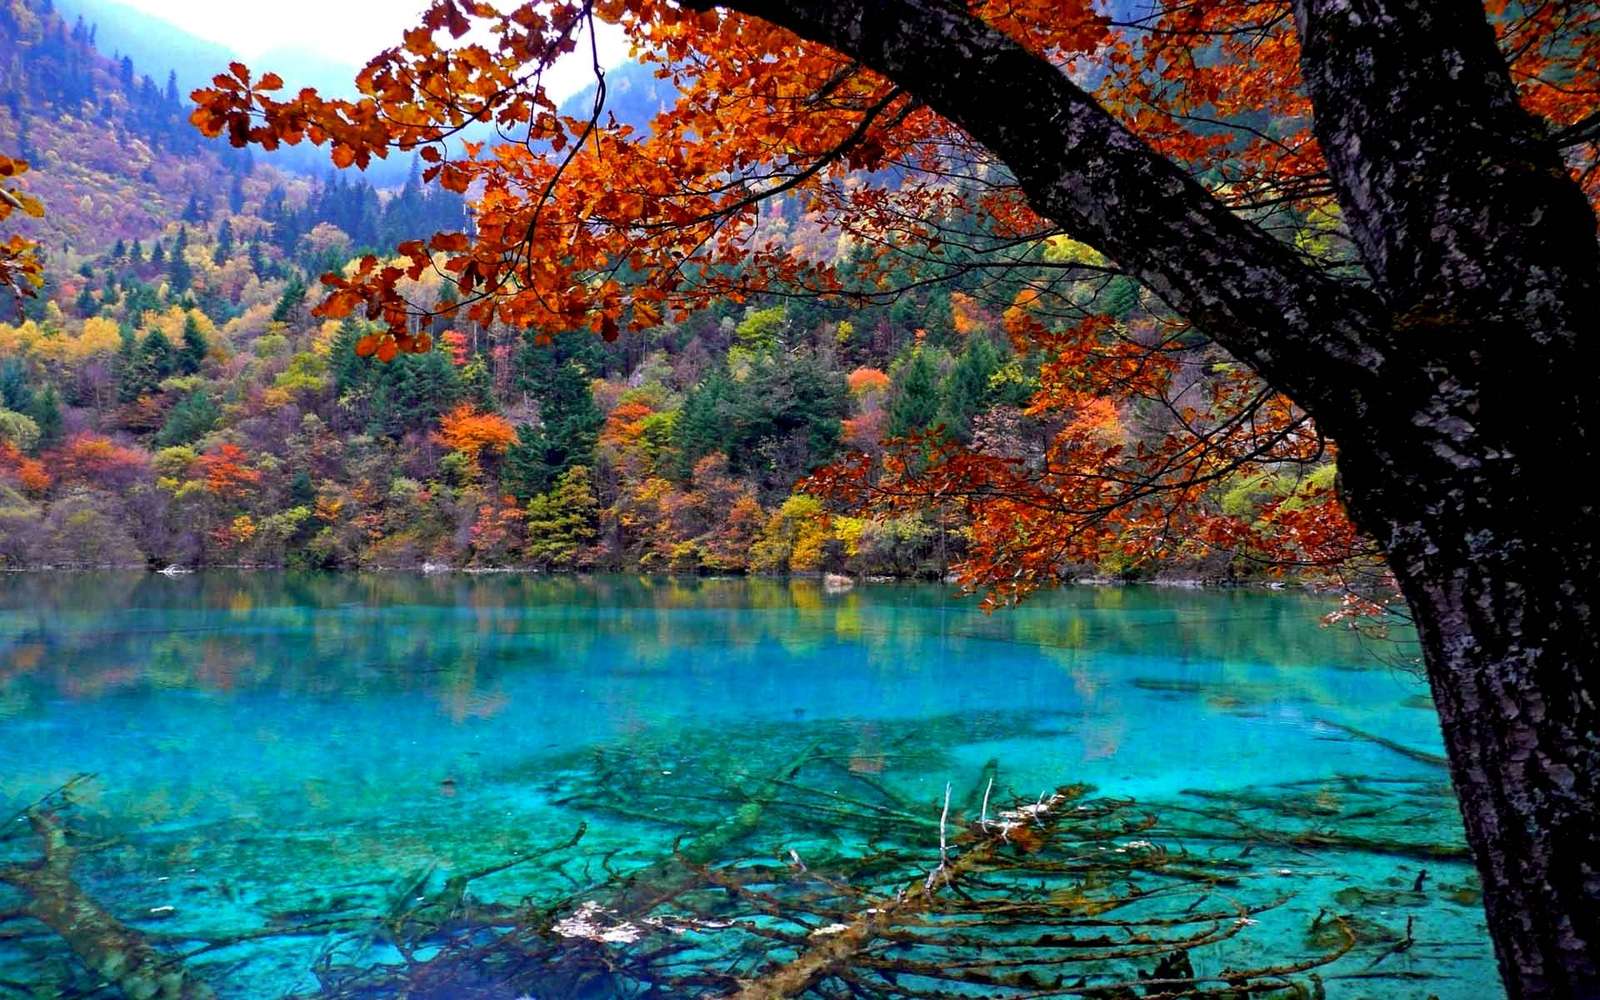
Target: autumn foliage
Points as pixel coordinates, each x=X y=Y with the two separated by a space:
x=21 y=272
x=472 y=433
x=1150 y=424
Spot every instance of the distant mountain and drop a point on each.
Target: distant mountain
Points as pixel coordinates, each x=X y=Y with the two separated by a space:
x=633 y=94
x=161 y=51
x=158 y=47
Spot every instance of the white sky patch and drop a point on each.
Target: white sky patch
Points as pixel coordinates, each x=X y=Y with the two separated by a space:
x=349 y=32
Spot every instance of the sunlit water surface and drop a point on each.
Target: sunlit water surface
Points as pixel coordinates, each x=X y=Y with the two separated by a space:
x=263 y=742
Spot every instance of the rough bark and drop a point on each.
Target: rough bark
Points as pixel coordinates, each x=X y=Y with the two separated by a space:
x=1456 y=384
x=1485 y=253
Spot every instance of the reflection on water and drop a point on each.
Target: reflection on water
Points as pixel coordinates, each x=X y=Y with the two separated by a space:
x=266 y=745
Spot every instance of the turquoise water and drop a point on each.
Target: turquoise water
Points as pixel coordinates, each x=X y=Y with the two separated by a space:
x=274 y=752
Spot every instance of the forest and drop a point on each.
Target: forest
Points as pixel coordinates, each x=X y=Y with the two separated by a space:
x=172 y=400
x=1005 y=295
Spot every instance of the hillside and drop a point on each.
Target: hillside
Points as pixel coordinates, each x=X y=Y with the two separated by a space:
x=171 y=400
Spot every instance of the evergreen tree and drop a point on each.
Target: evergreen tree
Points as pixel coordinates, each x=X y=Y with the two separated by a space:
x=302 y=493
x=125 y=366
x=16 y=393
x=224 y=248
x=569 y=420
x=46 y=412
x=192 y=352
x=189 y=421
x=179 y=273
x=153 y=360
x=560 y=523
x=784 y=418
x=915 y=402
x=157 y=354
x=289 y=303
x=349 y=369
x=703 y=422
x=478 y=384
x=966 y=388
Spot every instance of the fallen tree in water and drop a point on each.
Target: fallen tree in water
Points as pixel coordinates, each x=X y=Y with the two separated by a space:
x=1059 y=895
x=124 y=958
x=824 y=878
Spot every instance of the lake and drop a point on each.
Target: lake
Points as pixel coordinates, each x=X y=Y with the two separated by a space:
x=286 y=773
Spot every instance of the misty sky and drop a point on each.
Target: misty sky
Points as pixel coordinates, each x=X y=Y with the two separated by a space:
x=345 y=31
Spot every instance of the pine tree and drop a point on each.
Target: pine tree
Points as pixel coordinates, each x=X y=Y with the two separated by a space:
x=189 y=421
x=288 y=307
x=192 y=352
x=966 y=388
x=560 y=523
x=569 y=421
x=153 y=359
x=915 y=403
x=46 y=412
x=179 y=273
x=703 y=422
x=15 y=391
x=302 y=493
x=224 y=248
x=126 y=366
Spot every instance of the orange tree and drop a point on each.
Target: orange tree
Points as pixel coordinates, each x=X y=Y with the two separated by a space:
x=1350 y=222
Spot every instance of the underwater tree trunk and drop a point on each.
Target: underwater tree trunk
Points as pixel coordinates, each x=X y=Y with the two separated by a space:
x=105 y=945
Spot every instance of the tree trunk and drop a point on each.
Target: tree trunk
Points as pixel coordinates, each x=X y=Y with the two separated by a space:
x=1504 y=585
x=1459 y=382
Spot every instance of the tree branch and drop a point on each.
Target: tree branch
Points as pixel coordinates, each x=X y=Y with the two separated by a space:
x=1318 y=339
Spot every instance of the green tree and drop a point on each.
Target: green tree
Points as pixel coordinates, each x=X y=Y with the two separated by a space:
x=46 y=413
x=702 y=425
x=192 y=352
x=190 y=420
x=560 y=523
x=179 y=274
x=569 y=420
x=785 y=417
x=142 y=367
x=914 y=403
x=224 y=248
x=16 y=392
x=967 y=391
x=294 y=296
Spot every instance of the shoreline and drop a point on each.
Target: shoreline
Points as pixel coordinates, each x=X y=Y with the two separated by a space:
x=836 y=582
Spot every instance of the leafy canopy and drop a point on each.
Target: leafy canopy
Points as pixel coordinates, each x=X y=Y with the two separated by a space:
x=585 y=222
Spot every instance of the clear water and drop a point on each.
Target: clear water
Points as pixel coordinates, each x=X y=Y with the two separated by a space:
x=267 y=745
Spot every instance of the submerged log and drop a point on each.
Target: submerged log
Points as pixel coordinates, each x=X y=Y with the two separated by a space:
x=1421 y=756
x=837 y=946
x=123 y=956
